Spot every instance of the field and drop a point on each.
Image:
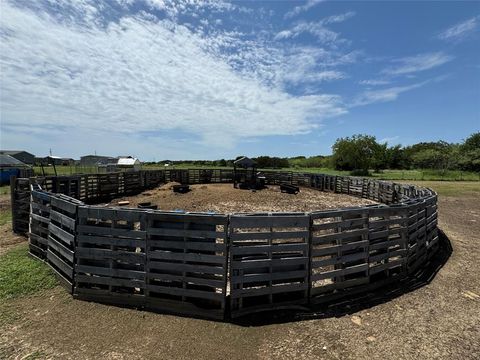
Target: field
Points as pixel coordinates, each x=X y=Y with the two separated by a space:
x=414 y=175
x=437 y=321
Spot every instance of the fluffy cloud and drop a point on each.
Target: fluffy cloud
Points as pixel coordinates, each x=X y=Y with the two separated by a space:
x=139 y=74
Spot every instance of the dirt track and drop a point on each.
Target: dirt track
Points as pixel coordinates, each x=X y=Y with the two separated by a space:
x=438 y=321
x=223 y=198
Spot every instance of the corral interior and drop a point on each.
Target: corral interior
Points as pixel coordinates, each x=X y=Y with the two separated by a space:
x=224 y=198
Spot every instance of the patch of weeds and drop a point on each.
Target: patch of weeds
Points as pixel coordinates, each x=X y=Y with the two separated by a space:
x=21 y=275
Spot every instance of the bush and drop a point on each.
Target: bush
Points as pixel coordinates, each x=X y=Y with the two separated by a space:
x=360 y=172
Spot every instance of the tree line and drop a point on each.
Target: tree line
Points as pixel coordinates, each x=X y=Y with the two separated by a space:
x=361 y=154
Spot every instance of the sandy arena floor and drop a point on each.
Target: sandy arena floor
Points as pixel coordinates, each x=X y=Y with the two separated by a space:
x=223 y=198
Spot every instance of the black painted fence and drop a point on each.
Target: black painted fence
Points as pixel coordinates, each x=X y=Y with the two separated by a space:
x=220 y=266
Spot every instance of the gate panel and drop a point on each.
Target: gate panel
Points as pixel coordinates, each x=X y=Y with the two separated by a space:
x=39 y=221
x=187 y=263
x=61 y=237
x=269 y=257
x=340 y=251
x=110 y=255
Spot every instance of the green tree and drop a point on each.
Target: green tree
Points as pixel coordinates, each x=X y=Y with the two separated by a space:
x=469 y=153
x=472 y=142
x=396 y=157
x=380 y=159
x=357 y=153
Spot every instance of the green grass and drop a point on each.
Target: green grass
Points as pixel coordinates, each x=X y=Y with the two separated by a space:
x=5 y=190
x=22 y=275
x=428 y=175
x=5 y=216
x=8 y=315
x=415 y=175
x=64 y=170
x=452 y=188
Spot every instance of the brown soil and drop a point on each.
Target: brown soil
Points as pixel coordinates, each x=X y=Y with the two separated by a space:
x=223 y=198
x=438 y=321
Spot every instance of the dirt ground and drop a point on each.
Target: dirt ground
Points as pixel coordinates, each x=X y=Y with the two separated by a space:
x=440 y=320
x=223 y=198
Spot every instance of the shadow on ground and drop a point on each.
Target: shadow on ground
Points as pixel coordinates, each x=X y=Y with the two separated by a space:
x=354 y=303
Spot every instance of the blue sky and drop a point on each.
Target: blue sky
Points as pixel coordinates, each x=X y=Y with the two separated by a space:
x=190 y=79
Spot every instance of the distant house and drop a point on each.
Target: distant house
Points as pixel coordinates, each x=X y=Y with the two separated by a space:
x=122 y=163
x=95 y=160
x=68 y=161
x=128 y=163
x=23 y=156
x=10 y=166
x=52 y=160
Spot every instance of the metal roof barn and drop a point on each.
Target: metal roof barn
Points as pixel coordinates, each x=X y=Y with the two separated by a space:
x=9 y=166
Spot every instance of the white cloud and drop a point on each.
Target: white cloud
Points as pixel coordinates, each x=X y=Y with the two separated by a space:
x=173 y=8
x=302 y=8
x=339 y=18
x=374 y=82
x=301 y=75
x=383 y=95
x=459 y=31
x=144 y=75
x=316 y=29
x=417 y=63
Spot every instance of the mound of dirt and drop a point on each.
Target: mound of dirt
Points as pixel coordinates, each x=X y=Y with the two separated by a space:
x=224 y=198
x=167 y=186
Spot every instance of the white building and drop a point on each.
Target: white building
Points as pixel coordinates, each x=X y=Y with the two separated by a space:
x=128 y=163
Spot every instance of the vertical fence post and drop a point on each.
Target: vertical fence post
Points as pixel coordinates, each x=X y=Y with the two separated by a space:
x=309 y=266
x=13 y=181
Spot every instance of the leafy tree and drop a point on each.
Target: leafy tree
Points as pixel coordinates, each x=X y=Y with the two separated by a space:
x=359 y=152
x=469 y=158
x=271 y=162
x=472 y=142
x=396 y=157
x=380 y=159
